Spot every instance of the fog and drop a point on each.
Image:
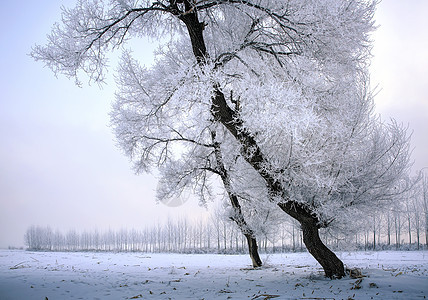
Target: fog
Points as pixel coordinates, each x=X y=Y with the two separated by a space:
x=59 y=164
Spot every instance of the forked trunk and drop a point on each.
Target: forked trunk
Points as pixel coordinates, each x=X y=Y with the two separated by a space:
x=253 y=250
x=252 y=153
x=332 y=265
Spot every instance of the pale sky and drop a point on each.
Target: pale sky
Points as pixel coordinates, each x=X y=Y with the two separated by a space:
x=59 y=165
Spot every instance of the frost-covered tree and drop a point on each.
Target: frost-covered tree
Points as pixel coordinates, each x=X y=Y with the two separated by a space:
x=420 y=204
x=425 y=205
x=275 y=93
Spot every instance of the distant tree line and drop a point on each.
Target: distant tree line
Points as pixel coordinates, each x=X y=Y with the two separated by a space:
x=402 y=227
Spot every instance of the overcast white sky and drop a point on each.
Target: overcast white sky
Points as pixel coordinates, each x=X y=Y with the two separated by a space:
x=59 y=165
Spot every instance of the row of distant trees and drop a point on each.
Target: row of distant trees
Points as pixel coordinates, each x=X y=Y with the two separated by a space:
x=402 y=227
x=178 y=236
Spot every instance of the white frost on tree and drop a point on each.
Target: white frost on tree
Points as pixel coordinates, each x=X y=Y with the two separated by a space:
x=267 y=94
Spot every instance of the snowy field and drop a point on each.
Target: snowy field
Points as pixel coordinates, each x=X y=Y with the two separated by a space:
x=36 y=275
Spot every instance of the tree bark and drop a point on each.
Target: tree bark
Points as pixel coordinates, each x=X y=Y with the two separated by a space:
x=332 y=265
x=253 y=251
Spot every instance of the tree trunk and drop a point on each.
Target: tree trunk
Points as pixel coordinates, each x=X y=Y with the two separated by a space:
x=238 y=217
x=397 y=239
x=374 y=233
x=294 y=238
x=426 y=229
x=389 y=230
x=332 y=265
x=410 y=231
x=365 y=240
x=253 y=251
x=417 y=234
x=225 y=236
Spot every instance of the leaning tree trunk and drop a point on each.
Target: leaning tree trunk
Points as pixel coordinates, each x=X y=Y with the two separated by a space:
x=332 y=265
x=253 y=251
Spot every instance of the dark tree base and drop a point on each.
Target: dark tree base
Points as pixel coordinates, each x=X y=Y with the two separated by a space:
x=332 y=265
x=254 y=254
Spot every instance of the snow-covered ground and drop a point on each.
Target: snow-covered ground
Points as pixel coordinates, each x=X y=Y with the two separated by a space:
x=36 y=275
